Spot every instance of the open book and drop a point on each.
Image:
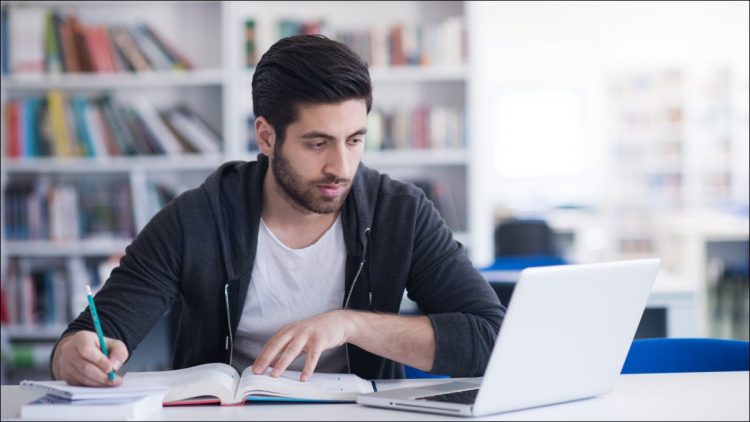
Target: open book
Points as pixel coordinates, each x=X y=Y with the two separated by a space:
x=220 y=383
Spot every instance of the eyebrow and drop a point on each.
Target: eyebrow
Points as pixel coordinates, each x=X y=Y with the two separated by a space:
x=317 y=134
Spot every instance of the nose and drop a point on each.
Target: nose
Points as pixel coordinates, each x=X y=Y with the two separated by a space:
x=337 y=163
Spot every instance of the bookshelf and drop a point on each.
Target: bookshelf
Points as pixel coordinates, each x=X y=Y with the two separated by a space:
x=680 y=135
x=55 y=266
x=217 y=89
x=679 y=157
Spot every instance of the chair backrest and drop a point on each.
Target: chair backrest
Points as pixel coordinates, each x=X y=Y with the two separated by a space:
x=516 y=237
x=659 y=355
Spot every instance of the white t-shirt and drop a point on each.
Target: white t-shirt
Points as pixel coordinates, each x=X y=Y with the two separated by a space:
x=289 y=285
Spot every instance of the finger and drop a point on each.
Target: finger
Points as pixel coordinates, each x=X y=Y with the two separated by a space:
x=90 y=352
x=118 y=353
x=91 y=372
x=292 y=350
x=70 y=375
x=270 y=351
x=77 y=375
x=311 y=361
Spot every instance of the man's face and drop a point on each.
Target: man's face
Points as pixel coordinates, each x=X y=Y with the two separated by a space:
x=319 y=157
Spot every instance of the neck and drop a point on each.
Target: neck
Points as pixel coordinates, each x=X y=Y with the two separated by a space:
x=292 y=224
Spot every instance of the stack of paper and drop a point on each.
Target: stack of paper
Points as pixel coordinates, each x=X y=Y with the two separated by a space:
x=132 y=400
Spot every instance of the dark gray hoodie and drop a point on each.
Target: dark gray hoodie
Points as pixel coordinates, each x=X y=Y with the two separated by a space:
x=200 y=250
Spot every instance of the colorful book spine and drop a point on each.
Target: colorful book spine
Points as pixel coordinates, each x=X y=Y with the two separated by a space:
x=53 y=58
x=251 y=58
x=61 y=139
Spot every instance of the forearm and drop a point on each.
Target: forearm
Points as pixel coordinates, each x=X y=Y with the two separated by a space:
x=408 y=340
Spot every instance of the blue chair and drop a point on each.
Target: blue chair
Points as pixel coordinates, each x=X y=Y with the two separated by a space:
x=410 y=372
x=661 y=355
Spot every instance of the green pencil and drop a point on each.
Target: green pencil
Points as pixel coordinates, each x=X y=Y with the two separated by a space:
x=98 y=326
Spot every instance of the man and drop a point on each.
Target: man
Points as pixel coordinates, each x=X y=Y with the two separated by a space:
x=300 y=259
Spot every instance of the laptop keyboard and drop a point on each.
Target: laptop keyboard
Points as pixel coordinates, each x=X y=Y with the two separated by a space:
x=461 y=397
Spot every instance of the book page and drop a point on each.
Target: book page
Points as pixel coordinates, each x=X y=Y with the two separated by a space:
x=211 y=379
x=344 y=387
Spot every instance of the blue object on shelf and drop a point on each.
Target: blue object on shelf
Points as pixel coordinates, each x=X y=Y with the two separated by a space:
x=663 y=355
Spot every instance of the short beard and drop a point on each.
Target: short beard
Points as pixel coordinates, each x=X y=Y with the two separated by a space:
x=307 y=198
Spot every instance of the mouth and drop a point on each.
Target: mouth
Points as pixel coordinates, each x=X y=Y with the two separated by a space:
x=331 y=191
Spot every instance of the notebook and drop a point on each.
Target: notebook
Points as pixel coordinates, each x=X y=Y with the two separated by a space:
x=129 y=408
x=565 y=337
x=221 y=383
x=71 y=392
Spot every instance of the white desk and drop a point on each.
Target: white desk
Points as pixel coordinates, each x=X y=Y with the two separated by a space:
x=686 y=396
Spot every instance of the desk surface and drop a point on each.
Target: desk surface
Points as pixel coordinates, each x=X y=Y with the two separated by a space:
x=683 y=396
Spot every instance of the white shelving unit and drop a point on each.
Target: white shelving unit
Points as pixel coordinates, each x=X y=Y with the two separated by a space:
x=114 y=80
x=210 y=34
x=194 y=29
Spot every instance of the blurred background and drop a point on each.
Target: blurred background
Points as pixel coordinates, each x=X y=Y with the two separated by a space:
x=544 y=133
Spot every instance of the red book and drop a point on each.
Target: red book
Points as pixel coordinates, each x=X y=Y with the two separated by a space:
x=13 y=125
x=398 y=57
x=107 y=48
x=89 y=37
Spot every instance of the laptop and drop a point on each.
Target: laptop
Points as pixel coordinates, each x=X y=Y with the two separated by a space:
x=565 y=336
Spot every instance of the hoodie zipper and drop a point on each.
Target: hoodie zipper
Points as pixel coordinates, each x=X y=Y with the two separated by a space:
x=228 y=340
x=349 y=296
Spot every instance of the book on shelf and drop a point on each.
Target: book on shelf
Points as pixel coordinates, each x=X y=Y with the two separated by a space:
x=47 y=41
x=158 y=195
x=61 y=125
x=38 y=293
x=26 y=40
x=38 y=209
x=435 y=44
x=418 y=128
x=179 y=61
x=4 y=56
x=221 y=384
x=128 y=408
x=193 y=129
x=251 y=49
x=442 y=198
x=29 y=355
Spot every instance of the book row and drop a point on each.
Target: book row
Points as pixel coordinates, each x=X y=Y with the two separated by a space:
x=440 y=44
x=46 y=41
x=42 y=209
x=49 y=295
x=419 y=128
x=60 y=126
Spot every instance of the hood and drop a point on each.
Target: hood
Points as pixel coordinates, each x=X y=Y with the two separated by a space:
x=235 y=195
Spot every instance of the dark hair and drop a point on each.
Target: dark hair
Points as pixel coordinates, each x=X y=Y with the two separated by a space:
x=306 y=69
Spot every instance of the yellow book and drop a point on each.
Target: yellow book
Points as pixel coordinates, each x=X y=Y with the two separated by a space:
x=62 y=146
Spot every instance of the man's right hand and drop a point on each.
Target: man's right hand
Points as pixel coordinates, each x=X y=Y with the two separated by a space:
x=78 y=359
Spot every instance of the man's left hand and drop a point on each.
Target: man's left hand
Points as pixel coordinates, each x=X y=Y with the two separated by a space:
x=312 y=336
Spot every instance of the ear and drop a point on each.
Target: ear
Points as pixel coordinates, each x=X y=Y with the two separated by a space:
x=265 y=136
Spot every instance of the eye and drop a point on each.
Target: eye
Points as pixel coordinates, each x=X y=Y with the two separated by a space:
x=317 y=145
x=355 y=141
